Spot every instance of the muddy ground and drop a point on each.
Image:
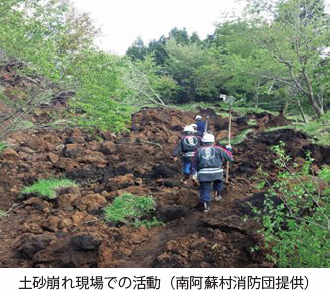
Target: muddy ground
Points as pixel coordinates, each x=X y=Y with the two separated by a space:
x=70 y=231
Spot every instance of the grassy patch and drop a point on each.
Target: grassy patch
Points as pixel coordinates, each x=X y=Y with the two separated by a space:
x=131 y=209
x=252 y=122
x=3 y=146
x=249 y=110
x=237 y=139
x=47 y=187
x=318 y=130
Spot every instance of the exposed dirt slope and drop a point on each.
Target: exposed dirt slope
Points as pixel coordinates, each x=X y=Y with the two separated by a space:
x=70 y=231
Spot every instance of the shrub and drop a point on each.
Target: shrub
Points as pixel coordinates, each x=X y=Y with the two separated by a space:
x=47 y=187
x=2 y=214
x=131 y=209
x=2 y=146
x=295 y=230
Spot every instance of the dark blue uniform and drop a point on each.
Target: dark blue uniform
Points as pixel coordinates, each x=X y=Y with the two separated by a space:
x=200 y=127
x=186 y=147
x=207 y=164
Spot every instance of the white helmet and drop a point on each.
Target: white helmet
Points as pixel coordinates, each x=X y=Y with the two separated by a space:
x=198 y=117
x=208 y=138
x=194 y=126
x=188 y=129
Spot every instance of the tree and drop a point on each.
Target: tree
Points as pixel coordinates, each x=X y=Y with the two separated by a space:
x=294 y=39
x=182 y=64
x=146 y=84
x=137 y=50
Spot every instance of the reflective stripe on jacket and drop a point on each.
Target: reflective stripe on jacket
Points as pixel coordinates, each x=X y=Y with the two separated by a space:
x=187 y=146
x=207 y=162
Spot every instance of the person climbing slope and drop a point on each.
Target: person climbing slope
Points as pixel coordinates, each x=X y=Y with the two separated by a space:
x=206 y=169
x=186 y=148
x=200 y=125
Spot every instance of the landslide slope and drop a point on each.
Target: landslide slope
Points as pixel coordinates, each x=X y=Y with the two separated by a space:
x=70 y=231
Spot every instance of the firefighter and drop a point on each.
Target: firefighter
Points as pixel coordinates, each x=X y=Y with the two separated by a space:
x=186 y=148
x=207 y=171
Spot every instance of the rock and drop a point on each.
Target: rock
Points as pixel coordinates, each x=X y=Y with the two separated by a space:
x=163 y=170
x=35 y=143
x=34 y=228
x=37 y=203
x=92 y=157
x=66 y=201
x=52 y=223
x=29 y=244
x=108 y=136
x=78 y=218
x=53 y=158
x=72 y=151
x=91 y=202
x=10 y=154
x=108 y=148
x=171 y=183
x=119 y=182
x=84 y=243
x=64 y=223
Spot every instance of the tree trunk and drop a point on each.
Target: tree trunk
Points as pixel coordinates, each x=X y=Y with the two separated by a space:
x=302 y=112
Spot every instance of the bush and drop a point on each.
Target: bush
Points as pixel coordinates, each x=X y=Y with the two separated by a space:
x=131 y=209
x=47 y=187
x=3 y=146
x=296 y=230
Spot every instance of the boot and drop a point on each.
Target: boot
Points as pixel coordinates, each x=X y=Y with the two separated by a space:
x=206 y=206
x=217 y=196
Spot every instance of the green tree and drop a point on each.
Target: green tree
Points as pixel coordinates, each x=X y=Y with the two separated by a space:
x=294 y=39
x=137 y=50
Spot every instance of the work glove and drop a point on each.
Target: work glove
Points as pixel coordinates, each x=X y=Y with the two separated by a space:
x=195 y=180
x=229 y=148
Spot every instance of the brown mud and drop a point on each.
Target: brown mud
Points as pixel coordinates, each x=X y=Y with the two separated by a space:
x=70 y=231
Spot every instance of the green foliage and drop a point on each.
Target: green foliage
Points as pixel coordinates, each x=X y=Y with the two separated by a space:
x=239 y=138
x=47 y=187
x=2 y=214
x=295 y=229
x=100 y=91
x=318 y=130
x=252 y=122
x=154 y=222
x=147 y=83
x=3 y=146
x=129 y=208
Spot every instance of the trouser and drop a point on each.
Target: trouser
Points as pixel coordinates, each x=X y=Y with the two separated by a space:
x=186 y=170
x=206 y=188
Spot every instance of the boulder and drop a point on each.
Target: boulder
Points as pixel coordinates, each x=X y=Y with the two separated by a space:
x=72 y=151
x=120 y=182
x=84 y=243
x=66 y=201
x=28 y=244
x=108 y=148
x=10 y=154
x=91 y=202
x=53 y=158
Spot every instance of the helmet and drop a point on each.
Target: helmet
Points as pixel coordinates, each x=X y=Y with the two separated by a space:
x=188 y=129
x=198 y=117
x=208 y=138
x=194 y=126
